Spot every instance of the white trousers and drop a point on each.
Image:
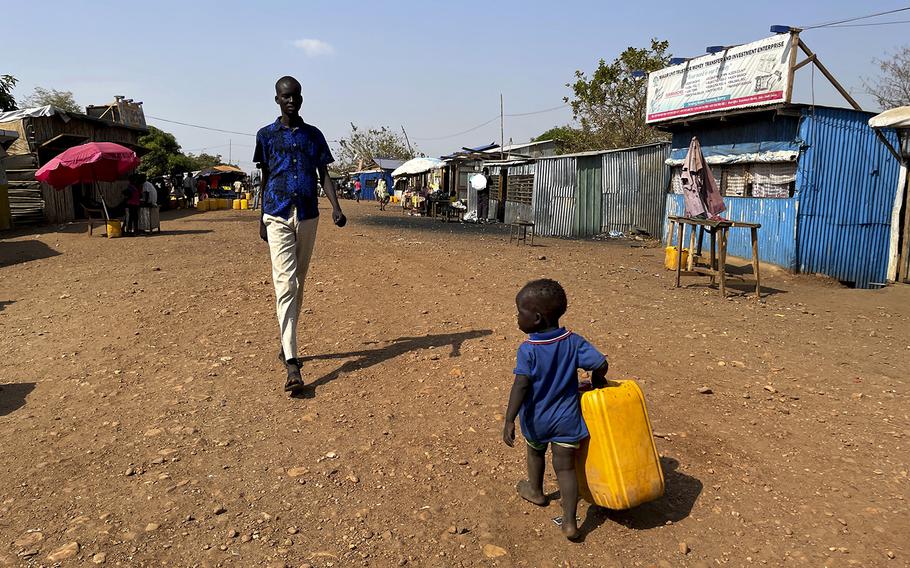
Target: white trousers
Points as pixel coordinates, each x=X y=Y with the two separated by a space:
x=291 y=245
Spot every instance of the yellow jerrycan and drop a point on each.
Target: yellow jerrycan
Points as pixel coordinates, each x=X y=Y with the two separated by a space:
x=618 y=467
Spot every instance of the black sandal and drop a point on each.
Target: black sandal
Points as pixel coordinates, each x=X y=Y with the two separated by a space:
x=294 y=385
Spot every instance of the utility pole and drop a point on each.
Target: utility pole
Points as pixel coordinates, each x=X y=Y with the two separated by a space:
x=410 y=151
x=502 y=129
x=230 y=150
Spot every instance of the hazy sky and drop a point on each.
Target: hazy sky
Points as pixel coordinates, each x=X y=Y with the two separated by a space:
x=435 y=68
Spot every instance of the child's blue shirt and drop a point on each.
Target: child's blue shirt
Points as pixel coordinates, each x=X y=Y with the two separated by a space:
x=552 y=409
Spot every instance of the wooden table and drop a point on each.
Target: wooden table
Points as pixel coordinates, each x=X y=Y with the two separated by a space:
x=519 y=230
x=717 y=261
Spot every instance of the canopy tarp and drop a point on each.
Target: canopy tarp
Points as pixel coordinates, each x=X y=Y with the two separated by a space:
x=898 y=117
x=416 y=166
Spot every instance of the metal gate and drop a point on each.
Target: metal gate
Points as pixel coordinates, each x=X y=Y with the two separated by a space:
x=589 y=205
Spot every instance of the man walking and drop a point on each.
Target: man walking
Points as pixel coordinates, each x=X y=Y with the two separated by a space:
x=291 y=154
x=480 y=182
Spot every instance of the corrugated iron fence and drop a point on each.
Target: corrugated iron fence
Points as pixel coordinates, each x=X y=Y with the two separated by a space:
x=622 y=190
x=555 y=188
x=635 y=182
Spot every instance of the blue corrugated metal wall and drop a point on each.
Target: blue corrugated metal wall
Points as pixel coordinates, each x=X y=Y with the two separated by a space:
x=369 y=193
x=776 y=238
x=845 y=184
x=740 y=134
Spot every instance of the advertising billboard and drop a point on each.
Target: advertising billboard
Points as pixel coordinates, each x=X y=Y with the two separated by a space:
x=749 y=75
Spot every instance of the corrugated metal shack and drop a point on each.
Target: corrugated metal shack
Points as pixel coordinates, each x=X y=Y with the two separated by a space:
x=43 y=133
x=6 y=139
x=817 y=179
x=382 y=168
x=899 y=241
x=589 y=193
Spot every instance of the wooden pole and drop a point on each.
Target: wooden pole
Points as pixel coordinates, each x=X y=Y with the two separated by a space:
x=410 y=150
x=791 y=66
x=904 y=257
x=502 y=129
x=756 y=265
x=843 y=92
x=827 y=74
x=680 y=231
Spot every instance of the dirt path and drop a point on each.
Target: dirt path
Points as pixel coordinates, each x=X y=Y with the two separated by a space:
x=142 y=417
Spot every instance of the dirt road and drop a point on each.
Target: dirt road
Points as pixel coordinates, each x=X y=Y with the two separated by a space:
x=142 y=417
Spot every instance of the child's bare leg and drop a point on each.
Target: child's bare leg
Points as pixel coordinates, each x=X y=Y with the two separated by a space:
x=564 y=464
x=532 y=488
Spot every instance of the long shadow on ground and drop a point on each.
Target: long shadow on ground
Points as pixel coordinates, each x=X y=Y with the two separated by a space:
x=681 y=492
x=399 y=221
x=16 y=252
x=369 y=357
x=13 y=395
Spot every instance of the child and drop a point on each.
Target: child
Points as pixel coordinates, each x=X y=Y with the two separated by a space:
x=546 y=393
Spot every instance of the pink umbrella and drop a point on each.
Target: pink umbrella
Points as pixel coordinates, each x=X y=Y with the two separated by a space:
x=95 y=161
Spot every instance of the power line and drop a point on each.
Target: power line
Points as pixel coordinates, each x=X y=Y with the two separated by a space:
x=198 y=126
x=869 y=24
x=479 y=126
x=469 y=130
x=462 y=132
x=847 y=20
x=540 y=111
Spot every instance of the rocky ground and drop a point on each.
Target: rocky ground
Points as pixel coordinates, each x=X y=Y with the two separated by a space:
x=143 y=423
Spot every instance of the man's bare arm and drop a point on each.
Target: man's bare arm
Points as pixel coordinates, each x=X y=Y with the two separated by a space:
x=329 y=186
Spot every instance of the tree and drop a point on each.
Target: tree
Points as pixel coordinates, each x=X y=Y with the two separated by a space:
x=61 y=99
x=568 y=139
x=360 y=147
x=892 y=89
x=202 y=161
x=610 y=104
x=164 y=157
x=7 y=101
x=162 y=153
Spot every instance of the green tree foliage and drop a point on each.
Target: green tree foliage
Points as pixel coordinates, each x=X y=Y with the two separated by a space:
x=164 y=157
x=7 y=101
x=610 y=104
x=568 y=139
x=61 y=99
x=360 y=147
x=892 y=88
x=202 y=160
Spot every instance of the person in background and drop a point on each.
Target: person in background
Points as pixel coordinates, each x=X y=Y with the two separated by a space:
x=133 y=195
x=202 y=189
x=382 y=194
x=179 y=193
x=358 y=190
x=149 y=217
x=480 y=183
x=189 y=185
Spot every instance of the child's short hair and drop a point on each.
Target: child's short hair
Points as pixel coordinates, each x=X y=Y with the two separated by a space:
x=547 y=296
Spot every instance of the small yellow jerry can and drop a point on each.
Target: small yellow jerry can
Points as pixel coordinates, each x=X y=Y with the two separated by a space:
x=672 y=256
x=618 y=467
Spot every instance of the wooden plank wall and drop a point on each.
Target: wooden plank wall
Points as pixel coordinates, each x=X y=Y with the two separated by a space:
x=58 y=204
x=21 y=145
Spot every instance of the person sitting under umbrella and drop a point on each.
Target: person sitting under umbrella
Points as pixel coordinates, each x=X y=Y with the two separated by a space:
x=133 y=194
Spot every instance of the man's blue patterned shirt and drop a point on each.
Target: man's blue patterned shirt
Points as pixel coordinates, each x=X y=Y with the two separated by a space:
x=292 y=156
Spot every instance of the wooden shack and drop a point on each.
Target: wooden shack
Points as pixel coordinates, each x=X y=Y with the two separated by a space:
x=44 y=132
